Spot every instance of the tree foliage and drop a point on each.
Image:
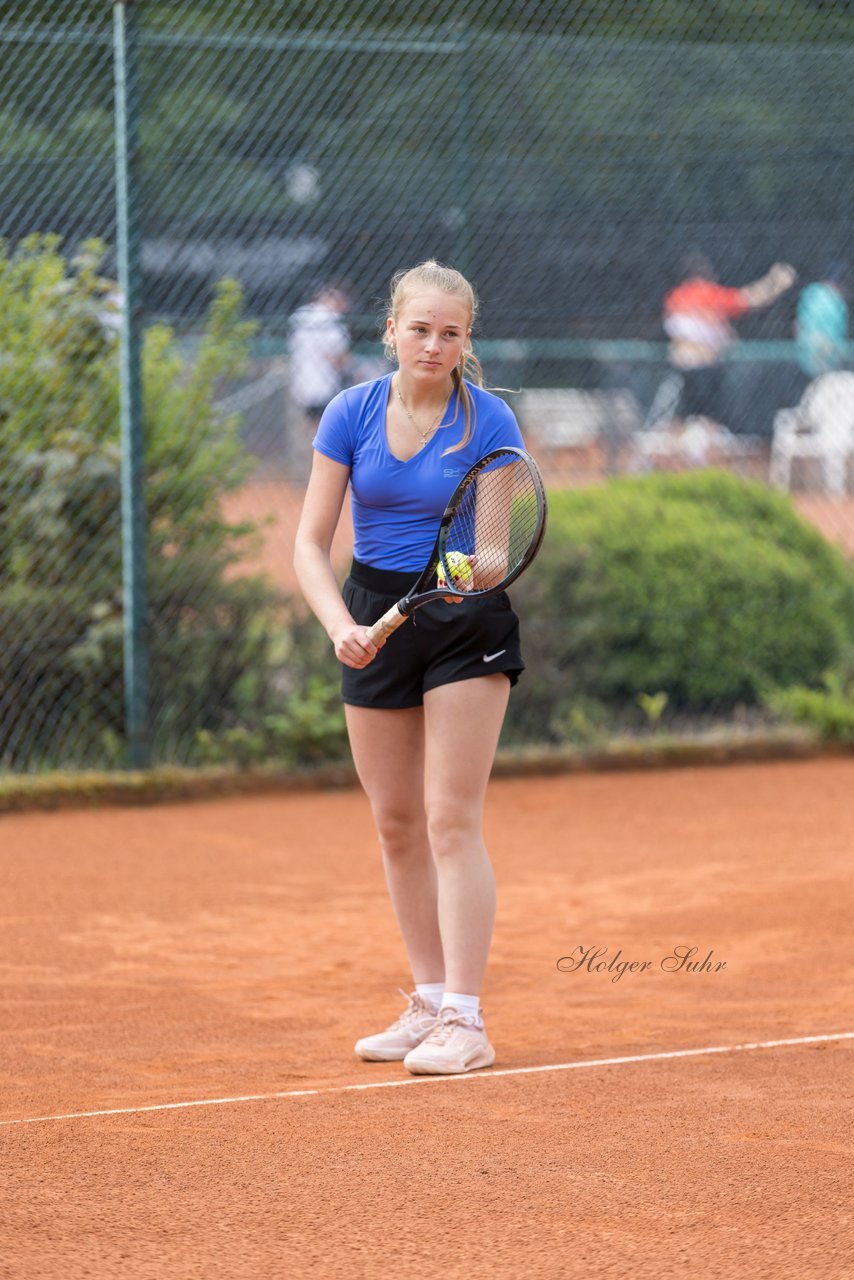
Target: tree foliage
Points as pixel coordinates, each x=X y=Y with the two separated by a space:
x=573 y=150
x=60 y=519
x=695 y=20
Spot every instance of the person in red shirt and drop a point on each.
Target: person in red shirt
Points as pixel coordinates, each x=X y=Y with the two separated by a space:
x=698 y=317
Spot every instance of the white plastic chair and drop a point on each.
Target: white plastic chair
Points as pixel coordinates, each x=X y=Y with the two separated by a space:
x=822 y=427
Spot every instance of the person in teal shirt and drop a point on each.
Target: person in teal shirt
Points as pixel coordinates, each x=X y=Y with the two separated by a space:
x=821 y=325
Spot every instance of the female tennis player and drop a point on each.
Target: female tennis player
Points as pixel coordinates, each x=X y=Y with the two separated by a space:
x=424 y=710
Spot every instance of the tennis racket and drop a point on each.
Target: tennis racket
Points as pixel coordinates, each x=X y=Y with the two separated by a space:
x=491 y=530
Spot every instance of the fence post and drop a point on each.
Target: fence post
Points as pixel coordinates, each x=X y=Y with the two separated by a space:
x=134 y=530
x=463 y=167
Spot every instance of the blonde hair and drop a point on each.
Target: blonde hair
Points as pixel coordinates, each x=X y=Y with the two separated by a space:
x=432 y=275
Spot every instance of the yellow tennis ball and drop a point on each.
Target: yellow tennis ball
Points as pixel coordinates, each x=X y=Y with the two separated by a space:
x=461 y=570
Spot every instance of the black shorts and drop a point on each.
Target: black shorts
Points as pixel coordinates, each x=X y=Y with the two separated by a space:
x=439 y=644
x=702 y=394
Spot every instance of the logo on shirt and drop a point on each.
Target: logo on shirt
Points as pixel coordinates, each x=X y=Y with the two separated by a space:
x=451 y=473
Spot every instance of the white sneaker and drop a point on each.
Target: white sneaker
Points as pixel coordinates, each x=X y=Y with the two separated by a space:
x=454 y=1045
x=416 y=1022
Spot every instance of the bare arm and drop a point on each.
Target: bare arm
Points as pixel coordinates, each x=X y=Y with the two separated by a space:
x=320 y=514
x=770 y=287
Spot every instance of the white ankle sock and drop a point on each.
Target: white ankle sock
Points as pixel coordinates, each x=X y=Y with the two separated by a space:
x=469 y=1005
x=431 y=993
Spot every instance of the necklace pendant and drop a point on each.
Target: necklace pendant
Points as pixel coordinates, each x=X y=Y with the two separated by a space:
x=424 y=437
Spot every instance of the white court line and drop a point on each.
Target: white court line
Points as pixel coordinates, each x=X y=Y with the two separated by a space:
x=415 y=1080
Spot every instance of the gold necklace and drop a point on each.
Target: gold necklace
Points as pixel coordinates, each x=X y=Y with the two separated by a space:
x=425 y=436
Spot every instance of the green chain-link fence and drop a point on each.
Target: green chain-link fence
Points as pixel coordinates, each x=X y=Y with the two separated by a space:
x=567 y=158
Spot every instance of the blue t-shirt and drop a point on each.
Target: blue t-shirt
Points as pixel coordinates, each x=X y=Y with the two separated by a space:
x=397 y=505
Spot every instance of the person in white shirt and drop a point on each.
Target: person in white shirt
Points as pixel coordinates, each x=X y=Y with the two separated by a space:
x=319 y=351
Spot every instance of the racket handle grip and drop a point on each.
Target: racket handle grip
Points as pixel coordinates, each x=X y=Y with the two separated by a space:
x=390 y=621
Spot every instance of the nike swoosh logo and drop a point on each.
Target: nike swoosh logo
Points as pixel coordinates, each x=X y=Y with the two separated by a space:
x=490 y=657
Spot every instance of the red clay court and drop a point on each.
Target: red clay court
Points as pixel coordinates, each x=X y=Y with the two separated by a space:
x=183 y=986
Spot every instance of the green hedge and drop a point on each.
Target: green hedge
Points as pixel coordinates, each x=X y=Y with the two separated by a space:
x=701 y=587
x=212 y=631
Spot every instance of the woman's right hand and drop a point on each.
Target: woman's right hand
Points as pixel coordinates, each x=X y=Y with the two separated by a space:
x=353 y=648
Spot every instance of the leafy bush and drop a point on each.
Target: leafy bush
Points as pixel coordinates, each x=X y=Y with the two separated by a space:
x=212 y=632
x=829 y=708
x=699 y=590
x=307 y=723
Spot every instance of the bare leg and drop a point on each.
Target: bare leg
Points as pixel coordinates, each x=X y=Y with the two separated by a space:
x=388 y=749
x=462 y=722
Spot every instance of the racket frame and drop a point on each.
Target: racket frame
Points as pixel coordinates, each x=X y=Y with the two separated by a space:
x=422 y=593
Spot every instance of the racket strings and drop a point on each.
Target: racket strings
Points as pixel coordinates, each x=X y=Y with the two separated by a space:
x=497 y=522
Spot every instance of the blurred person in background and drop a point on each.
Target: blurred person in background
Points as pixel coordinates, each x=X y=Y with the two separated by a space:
x=821 y=324
x=698 y=316
x=319 y=360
